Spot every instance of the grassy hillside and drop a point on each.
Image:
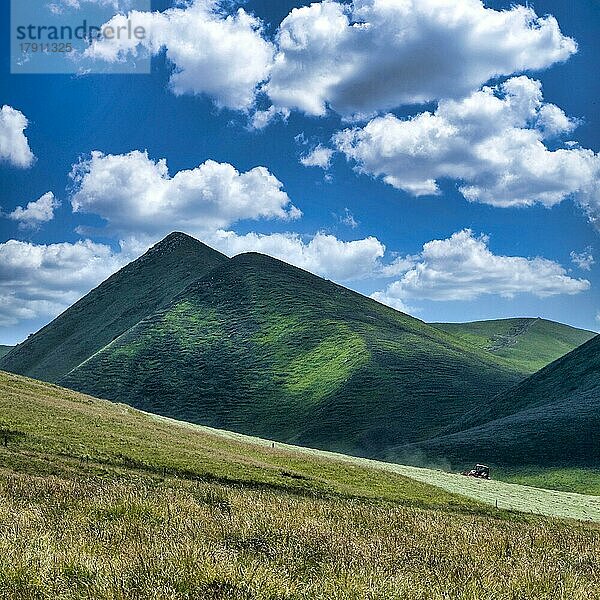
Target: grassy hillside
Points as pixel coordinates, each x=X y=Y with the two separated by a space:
x=527 y=344
x=498 y=493
x=5 y=350
x=263 y=348
x=582 y=480
x=101 y=501
x=550 y=420
x=66 y=432
x=112 y=308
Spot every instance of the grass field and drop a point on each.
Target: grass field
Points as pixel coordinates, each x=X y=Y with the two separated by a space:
x=67 y=432
x=156 y=539
x=100 y=501
x=583 y=481
x=534 y=495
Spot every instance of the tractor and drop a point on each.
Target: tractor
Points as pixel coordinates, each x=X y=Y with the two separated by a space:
x=479 y=471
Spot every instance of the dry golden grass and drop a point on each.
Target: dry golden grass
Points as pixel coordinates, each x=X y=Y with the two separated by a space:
x=150 y=538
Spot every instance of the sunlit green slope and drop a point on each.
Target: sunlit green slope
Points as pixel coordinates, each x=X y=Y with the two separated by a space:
x=527 y=344
x=264 y=348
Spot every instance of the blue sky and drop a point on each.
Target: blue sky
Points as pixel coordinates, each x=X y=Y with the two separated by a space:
x=465 y=277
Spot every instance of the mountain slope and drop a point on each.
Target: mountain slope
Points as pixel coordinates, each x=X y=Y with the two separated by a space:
x=526 y=344
x=264 y=348
x=552 y=419
x=63 y=430
x=4 y=350
x=120 y=302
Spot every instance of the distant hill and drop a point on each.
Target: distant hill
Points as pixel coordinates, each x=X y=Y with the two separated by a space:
x=5 y=350
x=526 y=344
x=261 y=347
x=551 y=419
x=112 y=308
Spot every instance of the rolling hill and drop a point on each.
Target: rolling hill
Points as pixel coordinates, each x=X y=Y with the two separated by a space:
x=526 y=344
x=5 y=350
x=264 y=348
x=549 y=420
x=65 y=433
x=112 y=308
x=102 y=501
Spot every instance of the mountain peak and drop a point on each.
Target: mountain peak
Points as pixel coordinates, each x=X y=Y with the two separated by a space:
x=105 y=313
x=180 y=245
x=176 y=239
x=177 y=236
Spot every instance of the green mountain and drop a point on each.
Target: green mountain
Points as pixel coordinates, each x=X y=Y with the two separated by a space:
x=260 y=347
x=112 y=308
x=551 y=419
x=257 y=346
x=526 y=344
x=5 y=350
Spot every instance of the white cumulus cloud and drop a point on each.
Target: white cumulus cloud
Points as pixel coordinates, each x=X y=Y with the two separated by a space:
x=42 y=280
x=137 y=195
x=320 y=156
x=60 y=6
x=373 y=55
x=492 y=142
x=463 y=267
x=223 y=56
x=357 y=58
x=14 y=146
x=37 y=212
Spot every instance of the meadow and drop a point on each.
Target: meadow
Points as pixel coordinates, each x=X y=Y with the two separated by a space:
x=142 y=538
x=100 y=501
